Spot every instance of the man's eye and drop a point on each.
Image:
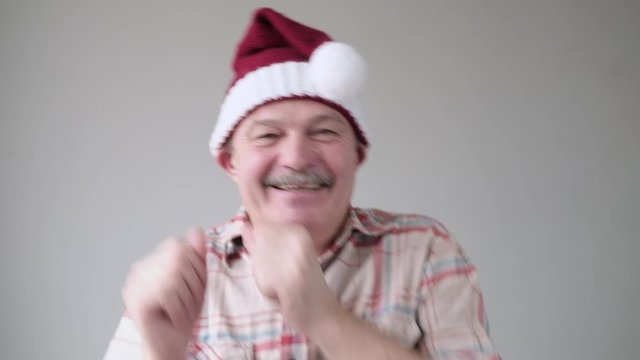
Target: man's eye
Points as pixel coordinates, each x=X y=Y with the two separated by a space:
x=267 y=136
x=325 y=131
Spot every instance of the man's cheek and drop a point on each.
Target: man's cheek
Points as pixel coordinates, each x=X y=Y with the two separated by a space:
x=255 y=194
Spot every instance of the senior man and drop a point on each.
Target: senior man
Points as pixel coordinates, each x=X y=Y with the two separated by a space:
x=299 y=273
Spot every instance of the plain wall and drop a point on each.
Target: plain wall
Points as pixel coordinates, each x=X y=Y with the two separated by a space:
x=516 y=123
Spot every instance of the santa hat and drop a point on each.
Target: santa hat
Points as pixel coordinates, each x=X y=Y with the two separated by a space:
x=279 y=58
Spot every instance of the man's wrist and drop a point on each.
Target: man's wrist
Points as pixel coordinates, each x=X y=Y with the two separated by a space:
x=164 y=354
x=325 y=320
x=340 y=334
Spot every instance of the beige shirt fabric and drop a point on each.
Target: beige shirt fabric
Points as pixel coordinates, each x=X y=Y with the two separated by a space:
x=404 y=273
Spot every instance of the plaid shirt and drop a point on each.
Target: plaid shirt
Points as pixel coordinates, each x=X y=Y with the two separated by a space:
x=403 y=273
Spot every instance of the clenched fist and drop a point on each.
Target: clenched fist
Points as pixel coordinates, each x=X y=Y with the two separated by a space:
x=286 y=269
x=164 y=293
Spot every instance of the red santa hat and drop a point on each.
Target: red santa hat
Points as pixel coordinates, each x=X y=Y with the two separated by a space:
x=279 y=58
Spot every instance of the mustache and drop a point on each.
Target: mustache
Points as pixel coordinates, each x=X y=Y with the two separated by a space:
x=305 y=177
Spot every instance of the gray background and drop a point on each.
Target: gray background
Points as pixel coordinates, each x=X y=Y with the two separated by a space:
x=516 y=123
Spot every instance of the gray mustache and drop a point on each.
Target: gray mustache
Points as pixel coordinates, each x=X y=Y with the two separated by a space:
x=312 y=177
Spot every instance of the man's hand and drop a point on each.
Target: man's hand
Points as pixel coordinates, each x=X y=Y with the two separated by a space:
x=164 y=293
x=286 y=270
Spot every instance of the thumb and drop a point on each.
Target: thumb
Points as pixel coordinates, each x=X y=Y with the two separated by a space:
x=198 y=241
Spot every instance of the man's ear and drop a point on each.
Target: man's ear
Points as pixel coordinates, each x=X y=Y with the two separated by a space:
x=361 y=150
x=226 y=162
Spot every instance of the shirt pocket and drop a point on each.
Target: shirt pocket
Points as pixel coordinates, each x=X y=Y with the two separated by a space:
x=401 y=327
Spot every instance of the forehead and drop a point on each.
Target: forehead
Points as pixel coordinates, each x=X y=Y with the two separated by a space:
x=293 y=111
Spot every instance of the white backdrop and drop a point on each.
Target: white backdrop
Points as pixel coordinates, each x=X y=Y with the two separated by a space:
x=516 y=123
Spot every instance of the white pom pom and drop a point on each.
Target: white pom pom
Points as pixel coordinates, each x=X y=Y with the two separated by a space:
x=337 y=71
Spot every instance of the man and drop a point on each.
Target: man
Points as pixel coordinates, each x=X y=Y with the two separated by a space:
x=299 y=273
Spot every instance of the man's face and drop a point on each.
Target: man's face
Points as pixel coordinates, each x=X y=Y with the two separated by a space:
x=294 y=162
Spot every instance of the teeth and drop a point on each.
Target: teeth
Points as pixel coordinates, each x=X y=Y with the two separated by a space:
x=288 y=187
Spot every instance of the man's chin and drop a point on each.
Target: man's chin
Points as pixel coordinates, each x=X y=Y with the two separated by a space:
x=297 y=219
x=295 y=216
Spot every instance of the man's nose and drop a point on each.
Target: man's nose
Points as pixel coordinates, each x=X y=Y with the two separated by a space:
x=298 y=152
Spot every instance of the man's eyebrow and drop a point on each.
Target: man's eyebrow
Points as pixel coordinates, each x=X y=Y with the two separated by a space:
x=315 y=120
x=328 y=117
x=264 y=122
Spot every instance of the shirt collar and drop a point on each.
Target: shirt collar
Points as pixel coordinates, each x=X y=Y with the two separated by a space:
x=368 y=222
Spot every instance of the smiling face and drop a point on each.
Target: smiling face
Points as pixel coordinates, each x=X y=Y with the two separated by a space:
x=294 y=162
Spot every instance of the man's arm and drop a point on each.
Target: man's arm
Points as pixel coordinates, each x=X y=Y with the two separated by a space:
x=163 y=294
x=451 y=309
x=286 y=270
x=344 y=336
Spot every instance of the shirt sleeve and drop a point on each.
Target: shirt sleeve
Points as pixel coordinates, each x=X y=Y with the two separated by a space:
x=451 y=310
x=126 y=343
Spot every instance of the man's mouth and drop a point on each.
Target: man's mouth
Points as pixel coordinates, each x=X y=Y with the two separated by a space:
x=300 y=181
x=297 y=187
